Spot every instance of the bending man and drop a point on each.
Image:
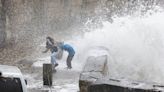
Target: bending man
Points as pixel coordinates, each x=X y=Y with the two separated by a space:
x=71 y=53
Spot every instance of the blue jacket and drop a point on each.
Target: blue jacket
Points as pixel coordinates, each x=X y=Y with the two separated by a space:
x=69 y=49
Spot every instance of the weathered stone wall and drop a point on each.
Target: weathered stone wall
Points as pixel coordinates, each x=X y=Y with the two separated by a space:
x=94 y=78
x=94 y=69
x=123 y=85
x=2 y=24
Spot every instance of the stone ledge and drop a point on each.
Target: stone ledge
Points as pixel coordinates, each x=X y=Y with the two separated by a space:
x=95 y=68
x=94 y=79
x=122 y=85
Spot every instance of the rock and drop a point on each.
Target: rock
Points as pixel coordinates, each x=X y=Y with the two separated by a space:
x=120 y=85
x=94 y=78
x=96 y=64
x=95 y=68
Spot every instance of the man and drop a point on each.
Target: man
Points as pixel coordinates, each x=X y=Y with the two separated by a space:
x=50 y=46
x=71 y=53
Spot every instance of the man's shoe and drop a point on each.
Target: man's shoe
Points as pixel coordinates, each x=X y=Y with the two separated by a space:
x=56 y=65
x=68 y=68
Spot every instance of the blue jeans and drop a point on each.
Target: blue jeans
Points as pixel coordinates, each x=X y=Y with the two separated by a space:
x=69 y=59
x=53 y=58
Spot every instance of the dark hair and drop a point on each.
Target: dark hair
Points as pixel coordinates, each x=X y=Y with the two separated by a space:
x=51 y=40
x=0 y=73
x=48 y=37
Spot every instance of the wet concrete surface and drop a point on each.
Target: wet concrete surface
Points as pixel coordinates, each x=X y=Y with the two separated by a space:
x=63 y=81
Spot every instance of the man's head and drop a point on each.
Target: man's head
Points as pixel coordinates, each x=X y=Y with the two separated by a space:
x=48 y=37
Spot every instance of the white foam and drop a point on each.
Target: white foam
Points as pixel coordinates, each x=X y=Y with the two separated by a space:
x=136 y=45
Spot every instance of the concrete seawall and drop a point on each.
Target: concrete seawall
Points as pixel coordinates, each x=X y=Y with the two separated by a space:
x=95 y=78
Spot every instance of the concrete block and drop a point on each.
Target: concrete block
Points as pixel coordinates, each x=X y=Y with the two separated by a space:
x=95 y=68
x=120 y=85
